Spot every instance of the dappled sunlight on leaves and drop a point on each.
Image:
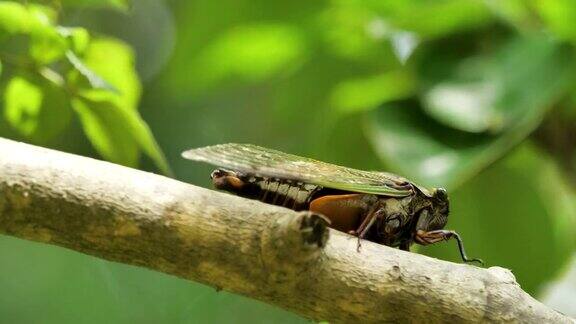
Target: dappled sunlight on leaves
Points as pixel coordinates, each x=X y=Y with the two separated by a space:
x=367 y=93
x=117 y=70
x=23 y=102
x=251 y=53
x=66 y=67
x=528 y=76
x=115 y=4
x=28 y=108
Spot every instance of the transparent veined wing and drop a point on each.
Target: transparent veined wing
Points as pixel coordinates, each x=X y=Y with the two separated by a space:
x=266 y=162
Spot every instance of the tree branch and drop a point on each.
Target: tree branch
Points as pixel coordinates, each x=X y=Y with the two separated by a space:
x=261 y=251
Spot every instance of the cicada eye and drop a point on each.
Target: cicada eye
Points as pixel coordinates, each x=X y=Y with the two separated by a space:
x=441 y=194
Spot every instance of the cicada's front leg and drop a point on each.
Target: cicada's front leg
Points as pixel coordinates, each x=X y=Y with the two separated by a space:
x=431 y=237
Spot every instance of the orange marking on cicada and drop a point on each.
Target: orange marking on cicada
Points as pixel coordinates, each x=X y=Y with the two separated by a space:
x=226 y=180
x=343 y=213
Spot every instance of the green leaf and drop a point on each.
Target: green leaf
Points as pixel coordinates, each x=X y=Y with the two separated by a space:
x=355 y=31
x=78 y=37
x=518 y=13
x=36 y=108
x=104 y=124
x=47 y=44
x=107 y=102
x=432 y=19
x=13 y=18
x=466 y=106
x=491 y=93
x=122 y=5
x=251 y=53
x=23 y=102
x=421 y=148
x=94 y=80
x=108 y=63
x=367 y=93
x=117 y=133
x=559 y=16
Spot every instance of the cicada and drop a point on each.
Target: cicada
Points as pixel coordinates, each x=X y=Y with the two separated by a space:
x=376 y=206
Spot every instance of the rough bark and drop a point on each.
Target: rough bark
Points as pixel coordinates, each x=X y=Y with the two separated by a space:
x=264 y=252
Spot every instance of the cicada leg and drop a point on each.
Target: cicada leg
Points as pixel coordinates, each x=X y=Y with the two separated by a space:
x=431 y=237
x=365 y=227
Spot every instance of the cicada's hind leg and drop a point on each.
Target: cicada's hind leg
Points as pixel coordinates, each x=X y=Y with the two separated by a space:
x=375 y=214
x=363 y=229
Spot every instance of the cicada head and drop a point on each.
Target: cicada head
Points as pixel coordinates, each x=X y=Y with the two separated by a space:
x=436 y=216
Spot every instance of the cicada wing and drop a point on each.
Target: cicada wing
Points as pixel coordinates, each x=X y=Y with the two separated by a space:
x=266 y=162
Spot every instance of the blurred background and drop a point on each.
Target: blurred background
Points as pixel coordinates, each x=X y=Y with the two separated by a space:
x=476 y=96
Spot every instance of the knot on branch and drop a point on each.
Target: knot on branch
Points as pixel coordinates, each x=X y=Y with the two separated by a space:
x=503 y=275
x=291 y=243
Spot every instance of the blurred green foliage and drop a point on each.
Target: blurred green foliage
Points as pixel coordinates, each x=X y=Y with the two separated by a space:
x=446 y=92
x=55 y=71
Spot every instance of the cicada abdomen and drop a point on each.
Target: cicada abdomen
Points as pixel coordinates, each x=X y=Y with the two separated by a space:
x=287 y=193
